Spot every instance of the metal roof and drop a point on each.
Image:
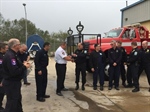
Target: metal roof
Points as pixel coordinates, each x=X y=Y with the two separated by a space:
x=132 y=5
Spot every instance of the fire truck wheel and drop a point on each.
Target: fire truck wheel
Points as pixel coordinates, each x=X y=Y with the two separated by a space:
x=106 y=72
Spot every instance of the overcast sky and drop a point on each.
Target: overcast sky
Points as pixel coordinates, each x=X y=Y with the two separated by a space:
x=97 y=16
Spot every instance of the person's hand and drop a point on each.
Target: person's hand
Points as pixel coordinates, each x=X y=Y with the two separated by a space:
x=72 y=60
x=40 y=72
x=92 y=69
x=74 y=55
x=1 y=84
x=114 y=64
x=26 y=64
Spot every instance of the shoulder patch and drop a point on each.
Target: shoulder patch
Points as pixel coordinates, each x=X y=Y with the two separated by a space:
x=1 y=61
x=13 y=61
x=85 y=51
x=63 y=53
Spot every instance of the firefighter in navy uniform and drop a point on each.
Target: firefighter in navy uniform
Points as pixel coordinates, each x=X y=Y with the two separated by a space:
x=123 y=61
x=24 y=56
x=41 y=62
x=145 y=60
x=114 y=56
x=97 y=62
x=80 y=60
x=133 y=67
x=13 y=70
x=3 y=49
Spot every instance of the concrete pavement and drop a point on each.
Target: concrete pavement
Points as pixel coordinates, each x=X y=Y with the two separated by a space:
x=84 y=101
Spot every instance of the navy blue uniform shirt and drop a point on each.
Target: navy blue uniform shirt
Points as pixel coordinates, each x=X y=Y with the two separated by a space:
x=41 y=59
x=134 y=57
x=13 y=68
x=1 y=67
x=97 y=59
x=23 y=57
x=114 y=56
x=81 y=56
x=145 y=56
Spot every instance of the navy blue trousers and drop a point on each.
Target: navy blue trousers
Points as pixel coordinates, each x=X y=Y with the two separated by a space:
x=132 y=75
x=41 y=82
x=14 y=98
x=114 y=74
x=98 y=74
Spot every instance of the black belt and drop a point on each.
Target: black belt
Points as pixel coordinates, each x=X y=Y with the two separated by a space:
x=60 y=64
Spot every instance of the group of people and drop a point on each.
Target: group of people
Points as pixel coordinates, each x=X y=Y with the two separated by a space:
x=14 y=65
x=12 y=71
x=116 y=57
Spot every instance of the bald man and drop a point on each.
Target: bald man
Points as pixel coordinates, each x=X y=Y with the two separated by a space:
x=145 y=61
x=13 y=70
x=24 y=56
x=80 y=60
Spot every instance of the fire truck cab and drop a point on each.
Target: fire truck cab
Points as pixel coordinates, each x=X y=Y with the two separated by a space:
x=126 y=35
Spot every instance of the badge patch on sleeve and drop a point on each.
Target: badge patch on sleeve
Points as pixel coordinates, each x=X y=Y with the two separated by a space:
x=135 y=53
x=147 y=50
x=1 y=61
x=63 y=53
x=13 y=61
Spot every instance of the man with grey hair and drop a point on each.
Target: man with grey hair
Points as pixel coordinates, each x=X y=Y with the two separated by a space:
x=24 y=56
x=13 y=70
x=61 y=59
x=114 y=56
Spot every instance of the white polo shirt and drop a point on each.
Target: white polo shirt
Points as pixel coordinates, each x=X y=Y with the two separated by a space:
x=59 y=55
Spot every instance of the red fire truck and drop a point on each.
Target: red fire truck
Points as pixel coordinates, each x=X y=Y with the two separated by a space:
x=126 y=34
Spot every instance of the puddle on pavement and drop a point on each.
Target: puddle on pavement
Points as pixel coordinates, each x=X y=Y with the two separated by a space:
x=93 y=107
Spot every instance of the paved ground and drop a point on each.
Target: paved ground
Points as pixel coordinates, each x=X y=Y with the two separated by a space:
x=84 y=101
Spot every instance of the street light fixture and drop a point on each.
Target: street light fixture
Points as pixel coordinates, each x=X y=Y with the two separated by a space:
x=25 y=20
x=80 y=28
x=70 y=39
x=70 y=32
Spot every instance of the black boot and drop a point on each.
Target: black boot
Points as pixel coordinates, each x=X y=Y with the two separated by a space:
x=101 y=88
x=129 y=86
x=124 y=84
x=136 y=90
x=77 y=86
x=83 y=88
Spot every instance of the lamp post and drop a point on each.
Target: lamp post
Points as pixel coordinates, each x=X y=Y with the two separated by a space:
x=70 y=32
x=80 y=28
x=25 y=20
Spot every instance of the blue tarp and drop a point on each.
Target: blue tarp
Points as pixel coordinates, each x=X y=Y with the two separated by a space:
x=34 y=39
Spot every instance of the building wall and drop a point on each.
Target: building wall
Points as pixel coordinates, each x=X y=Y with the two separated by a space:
x=146 y=24
x=136 y=14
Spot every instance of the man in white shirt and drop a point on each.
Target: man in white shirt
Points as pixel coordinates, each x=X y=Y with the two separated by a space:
x=61 y=59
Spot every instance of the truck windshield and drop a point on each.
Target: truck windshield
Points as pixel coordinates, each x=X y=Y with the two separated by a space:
x=113 y=33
